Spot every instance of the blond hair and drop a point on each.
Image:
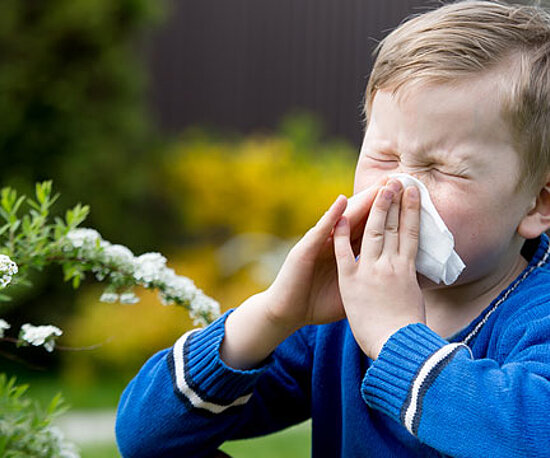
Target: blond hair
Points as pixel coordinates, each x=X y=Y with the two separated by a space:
x=473 y=37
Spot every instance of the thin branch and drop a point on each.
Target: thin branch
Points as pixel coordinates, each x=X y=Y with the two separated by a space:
x=62 y=347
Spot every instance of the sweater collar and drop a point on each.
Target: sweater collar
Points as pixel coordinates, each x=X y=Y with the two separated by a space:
x=537 y=251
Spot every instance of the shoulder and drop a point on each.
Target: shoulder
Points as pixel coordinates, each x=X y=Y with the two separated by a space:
x=530 y=292
x=524 y=317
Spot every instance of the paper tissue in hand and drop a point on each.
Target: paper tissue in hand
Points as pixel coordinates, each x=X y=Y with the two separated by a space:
x=436 y=258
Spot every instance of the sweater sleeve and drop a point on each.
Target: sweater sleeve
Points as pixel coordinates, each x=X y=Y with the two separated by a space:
x=185 y=401
x=462 y=406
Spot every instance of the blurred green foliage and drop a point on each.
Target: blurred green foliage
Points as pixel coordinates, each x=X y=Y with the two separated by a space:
x=72 y=107
x=26 y=427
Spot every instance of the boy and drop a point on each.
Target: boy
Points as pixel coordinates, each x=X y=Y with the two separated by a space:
x=386 y=362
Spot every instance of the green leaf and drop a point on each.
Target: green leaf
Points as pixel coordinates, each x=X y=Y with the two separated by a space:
x=76 y=281
x=56 y=406
x=3 y=444
x=4 y=228
x=19 y=391
x=4 y=214
x=53 y=199
x=8 y=198
x=4 y=298
x=15 y=225
x=34 y=205
x=18 y=204
x=43 y=191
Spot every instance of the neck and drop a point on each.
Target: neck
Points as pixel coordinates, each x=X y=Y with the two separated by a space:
x=450 y=309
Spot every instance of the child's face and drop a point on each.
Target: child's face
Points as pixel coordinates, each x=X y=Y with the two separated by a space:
x=453 y=139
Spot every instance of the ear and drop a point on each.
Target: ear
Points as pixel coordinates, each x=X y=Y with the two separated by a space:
x=537 y=219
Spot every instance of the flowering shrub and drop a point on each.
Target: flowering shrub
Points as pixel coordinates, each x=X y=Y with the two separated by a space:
x=32 y=241
x=276 y=184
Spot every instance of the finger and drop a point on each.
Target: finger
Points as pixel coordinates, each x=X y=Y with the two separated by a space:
x=345 y=259
x=391 y=231
x=409 y=230
x=373 y=237
x=318 y=234
x=359 y=206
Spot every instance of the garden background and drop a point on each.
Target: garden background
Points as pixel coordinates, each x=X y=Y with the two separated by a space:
x=213 y=131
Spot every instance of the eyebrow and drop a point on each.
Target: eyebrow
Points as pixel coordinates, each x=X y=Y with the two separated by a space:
x=384 y=146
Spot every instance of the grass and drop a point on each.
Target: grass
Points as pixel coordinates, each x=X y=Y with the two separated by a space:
x=293 y=442
x=107 y=450
x=98 y=395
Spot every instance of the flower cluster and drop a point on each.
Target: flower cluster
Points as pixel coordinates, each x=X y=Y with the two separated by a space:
x=123 y=270
x=3 y=326
x=40 y=335
x=8 y=269
x=83 y=237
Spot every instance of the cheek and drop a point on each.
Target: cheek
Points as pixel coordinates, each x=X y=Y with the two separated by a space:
x=465 y=221
x=479 y=230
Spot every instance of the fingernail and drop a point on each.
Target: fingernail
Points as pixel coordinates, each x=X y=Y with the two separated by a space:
x=394 y=185
x=412 y=192
x=387 y=194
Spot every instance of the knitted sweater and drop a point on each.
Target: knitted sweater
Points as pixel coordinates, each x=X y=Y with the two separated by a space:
x=484 y=392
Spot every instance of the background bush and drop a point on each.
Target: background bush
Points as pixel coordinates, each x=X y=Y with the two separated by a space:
x=72 y=107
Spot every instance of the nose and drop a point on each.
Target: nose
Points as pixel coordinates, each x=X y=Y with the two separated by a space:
x=417 y=175
x=420 y=176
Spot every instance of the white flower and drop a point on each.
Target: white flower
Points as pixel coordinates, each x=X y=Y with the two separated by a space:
x=203 y=308
x=3 y=326
x=109 y=297
x=7 y=266
x=176 y=287
x=149 y=267
x=128 y=298
x=119 y=254
x=8 y=269
x=83 y=237
x=40 y=335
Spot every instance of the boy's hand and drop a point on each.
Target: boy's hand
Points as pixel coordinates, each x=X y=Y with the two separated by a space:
x=306 y=289
x=380 y=291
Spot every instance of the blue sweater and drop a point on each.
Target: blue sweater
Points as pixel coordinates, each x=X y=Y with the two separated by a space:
x=483 y=393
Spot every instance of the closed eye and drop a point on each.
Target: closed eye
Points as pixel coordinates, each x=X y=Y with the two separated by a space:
x=447 y=173
x=383 y=160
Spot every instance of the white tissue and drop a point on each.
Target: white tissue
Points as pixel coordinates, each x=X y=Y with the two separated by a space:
x=436 y=258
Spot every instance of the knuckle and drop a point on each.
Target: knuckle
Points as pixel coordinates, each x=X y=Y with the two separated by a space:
x=413 y=232
x=392 y=228
x=374 y=234
x=296 y=252
x=340 y=255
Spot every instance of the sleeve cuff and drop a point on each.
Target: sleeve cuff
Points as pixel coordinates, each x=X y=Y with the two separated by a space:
x=201 y=379
x=407 y=366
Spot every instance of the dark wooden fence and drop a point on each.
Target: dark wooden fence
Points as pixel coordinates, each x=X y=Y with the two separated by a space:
x=243 y=64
